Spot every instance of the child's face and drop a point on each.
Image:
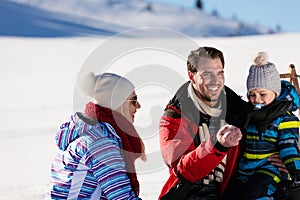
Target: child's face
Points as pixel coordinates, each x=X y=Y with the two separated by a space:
x=261 y=96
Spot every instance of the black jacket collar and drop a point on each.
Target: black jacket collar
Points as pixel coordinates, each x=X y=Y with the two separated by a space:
x=235 y=110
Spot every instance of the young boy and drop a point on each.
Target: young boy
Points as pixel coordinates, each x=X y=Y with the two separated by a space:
x=271 y=128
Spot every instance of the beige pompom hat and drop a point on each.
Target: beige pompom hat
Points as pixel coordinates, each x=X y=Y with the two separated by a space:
x=107 y=90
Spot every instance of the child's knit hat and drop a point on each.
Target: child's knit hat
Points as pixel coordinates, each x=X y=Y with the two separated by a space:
x=263 y=74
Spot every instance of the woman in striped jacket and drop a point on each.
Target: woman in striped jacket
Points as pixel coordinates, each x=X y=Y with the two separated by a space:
x=271 y=128
x=97 y=148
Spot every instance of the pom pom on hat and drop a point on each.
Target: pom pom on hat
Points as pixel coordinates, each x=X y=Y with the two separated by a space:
x=263 y=74
x=261 y=58
x=107 y=90
x=87 y=82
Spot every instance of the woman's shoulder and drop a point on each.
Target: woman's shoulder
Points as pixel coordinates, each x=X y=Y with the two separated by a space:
x=96 y=137
x=102 y=130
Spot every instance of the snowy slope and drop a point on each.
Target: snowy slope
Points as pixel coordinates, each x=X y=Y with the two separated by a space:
x=26 y=20
x=54 y=18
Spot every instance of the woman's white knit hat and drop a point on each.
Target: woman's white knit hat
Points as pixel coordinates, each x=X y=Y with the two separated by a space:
x=107 y=90
x=263 y=74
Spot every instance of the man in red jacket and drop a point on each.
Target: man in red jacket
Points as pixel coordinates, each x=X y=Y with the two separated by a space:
x=199 y=132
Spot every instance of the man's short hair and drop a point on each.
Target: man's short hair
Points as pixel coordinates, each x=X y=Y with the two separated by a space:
x=204 y=52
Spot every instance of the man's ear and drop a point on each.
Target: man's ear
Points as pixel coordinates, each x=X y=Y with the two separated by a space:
x=191 y=76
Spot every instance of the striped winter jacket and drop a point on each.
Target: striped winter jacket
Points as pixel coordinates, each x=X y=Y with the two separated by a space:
x=89 y=164
x=281 y=136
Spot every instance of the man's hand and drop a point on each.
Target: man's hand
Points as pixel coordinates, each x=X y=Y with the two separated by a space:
x=229 y=136
x=277 y=162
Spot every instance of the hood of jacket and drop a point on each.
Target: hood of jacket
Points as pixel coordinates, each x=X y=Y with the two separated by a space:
x=72 y=129
x=289 y=93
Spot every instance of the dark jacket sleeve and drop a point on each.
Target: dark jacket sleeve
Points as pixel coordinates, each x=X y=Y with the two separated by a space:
x=237 y=109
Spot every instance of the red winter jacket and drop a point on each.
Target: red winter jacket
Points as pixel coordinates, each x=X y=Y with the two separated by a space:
x=177 y=129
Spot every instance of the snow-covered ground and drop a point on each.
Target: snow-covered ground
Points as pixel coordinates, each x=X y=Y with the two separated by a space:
x=38 y=77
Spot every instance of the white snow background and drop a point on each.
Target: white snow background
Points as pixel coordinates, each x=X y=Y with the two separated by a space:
x=38 y=77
